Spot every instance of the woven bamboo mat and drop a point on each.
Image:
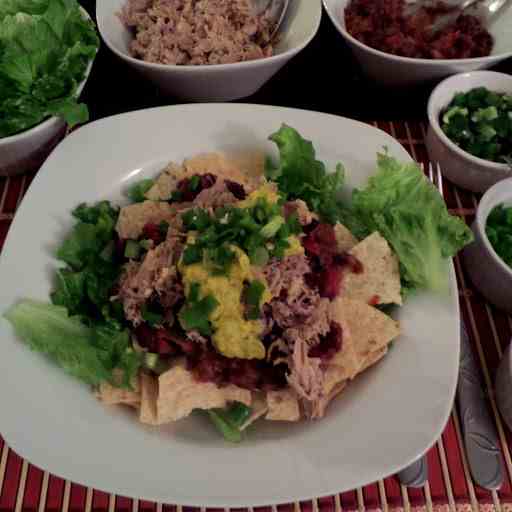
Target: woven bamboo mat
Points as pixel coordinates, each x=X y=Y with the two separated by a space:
x=24 y=487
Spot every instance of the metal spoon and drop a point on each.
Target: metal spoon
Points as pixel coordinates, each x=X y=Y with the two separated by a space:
x=275 y=9
x=486 y=10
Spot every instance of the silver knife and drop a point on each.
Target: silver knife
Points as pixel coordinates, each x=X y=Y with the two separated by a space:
x=478 y=430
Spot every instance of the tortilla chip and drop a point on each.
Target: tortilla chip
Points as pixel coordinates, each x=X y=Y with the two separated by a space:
x=373 y=358
x=369 y=331
x=345 y=240
x=379 y=283
x=134 y=217
x=165 y=184
x=319 y=407
x=149 y=395
x=245 y=169
x=179 y=394
x=222 y=165
x=282 y=406
x=346 y=363
x=111 y=395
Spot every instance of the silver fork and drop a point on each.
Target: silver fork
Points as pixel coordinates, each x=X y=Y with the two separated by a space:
x=478 y=429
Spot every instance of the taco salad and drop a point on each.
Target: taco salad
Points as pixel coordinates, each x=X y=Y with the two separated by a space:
x=244 y=288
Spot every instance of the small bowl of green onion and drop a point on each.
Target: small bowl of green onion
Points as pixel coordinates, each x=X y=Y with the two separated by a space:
x=470 y=129
x=488 y=258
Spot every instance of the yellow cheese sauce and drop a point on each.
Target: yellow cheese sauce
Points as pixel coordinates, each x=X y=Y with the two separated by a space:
x=234 y=336
x=267 y=191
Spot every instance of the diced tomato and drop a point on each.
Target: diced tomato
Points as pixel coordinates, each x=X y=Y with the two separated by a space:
x=374 y=300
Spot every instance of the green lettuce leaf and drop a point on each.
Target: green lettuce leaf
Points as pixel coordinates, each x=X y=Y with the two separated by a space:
x=89 y=354
x=45 y=48
x=409 y=212
x=89 y=236
x=48 y=329
x=300 y=175
x=28 y=6
x=85 y=287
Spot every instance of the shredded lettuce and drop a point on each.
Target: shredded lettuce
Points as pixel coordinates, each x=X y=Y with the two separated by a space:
x=45 y=48
x=409 y=212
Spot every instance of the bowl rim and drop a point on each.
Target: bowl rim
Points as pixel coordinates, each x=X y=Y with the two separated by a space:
x=409 y=60
x=481 y=222
x=434 y=120
x=44 y=125
x=209 y=68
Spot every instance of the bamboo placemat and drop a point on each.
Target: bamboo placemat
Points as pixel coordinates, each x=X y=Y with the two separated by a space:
x=24 y=487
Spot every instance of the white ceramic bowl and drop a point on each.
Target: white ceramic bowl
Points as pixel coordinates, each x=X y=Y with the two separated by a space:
x=220 y=82
x=27 y=150
x=392 y=70
x=457 y=165
x=487 y=270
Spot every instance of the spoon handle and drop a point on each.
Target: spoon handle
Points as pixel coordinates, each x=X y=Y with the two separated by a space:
x=415 y=474
x=478 y=430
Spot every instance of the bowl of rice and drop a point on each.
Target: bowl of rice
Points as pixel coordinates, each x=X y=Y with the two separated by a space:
x=206 y=50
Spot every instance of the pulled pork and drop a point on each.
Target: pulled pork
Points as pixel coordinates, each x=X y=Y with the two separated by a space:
x=155 y=275
x=197 y=32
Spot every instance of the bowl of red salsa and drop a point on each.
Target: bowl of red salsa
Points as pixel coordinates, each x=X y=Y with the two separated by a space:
x=398 y=49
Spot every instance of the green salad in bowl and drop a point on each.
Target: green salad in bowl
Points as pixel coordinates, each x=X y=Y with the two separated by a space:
x=46 y=48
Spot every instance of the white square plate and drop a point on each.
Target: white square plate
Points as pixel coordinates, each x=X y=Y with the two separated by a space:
x=387 y=418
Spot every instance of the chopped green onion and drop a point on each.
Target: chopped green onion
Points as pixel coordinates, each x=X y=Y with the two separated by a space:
x=480 y=122
x=194 y=315
x=499 y=232
x=147 y=244
x=137 y=192
x=253 y=295
x=271 y=228
x=193 y=182
x=132 y=250
x=192 y=254
x=238 y=414
x=153 y=362
x=151 y=317
x=230 y=432
x=259 y=256
x=163 y=227
x=485 y=114
x=107 y=254
x=176 y=195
